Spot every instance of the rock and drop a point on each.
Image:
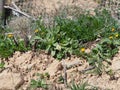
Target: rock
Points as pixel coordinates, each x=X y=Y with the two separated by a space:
x=69 y=80
x=60 y=66
x=10 y=81
x=72 y=70
x=28 y=66
x=115 y=65
x=23 y=58
x=52 y=68
x=59 y=72
x=87 y=50
x=73 y=63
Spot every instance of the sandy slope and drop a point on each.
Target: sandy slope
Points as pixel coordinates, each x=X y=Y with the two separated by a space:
x=40 y=7
x=22 y=67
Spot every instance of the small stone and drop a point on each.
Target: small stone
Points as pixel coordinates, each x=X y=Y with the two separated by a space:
x=40 y=61
x=52 y=77
x=69 y=80
x=10 y=80
x=87 y=50
x=58 y=73
x=33 y=74
x=51 y=60
x=14 y=70
x=71 y=70
x=44 y=67
x=30 y=66
x=60 y=66
x=115 y=65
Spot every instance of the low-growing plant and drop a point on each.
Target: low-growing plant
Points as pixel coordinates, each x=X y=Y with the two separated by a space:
x=2 y=65
x=61 y=79
x=56 y=43
x=106 y=49
x=111 y=73
x=8 y=45
x=79 y=87
x=68 y=35
x=40 y=82
x=83 y=86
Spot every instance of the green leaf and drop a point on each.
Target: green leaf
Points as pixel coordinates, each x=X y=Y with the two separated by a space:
x=2 y=65
x=53 y=53
x=106 y=40
x=60 y=55
x=99 y=47
x=57 y=46
x=33 y=82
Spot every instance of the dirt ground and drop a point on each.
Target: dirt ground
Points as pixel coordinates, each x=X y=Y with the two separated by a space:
x=43 y=7
x=23 y=67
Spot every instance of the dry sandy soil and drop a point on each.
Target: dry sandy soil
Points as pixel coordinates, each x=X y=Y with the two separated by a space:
x=22 y=67
x=43 y=7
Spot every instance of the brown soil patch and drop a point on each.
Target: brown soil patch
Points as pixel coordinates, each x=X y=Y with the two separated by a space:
x=30 y=63
x=43 y=7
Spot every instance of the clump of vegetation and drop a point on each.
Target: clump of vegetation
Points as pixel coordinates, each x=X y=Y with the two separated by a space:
x=40 y=82
x=9 y=45
x=67 y=37
x=2 y=65
x=83 y=86
x=104 y=51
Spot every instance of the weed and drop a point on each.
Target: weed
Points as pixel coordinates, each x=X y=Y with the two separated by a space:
x=8 y=46
x=61 y=79
x=83 y=86
x=67 y=35
x=40 y=82
x=107 y=48
x=2 y=65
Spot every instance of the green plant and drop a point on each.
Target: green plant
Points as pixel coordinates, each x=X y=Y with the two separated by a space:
x=47 y=75
x=8 y=45
x=2 y=65
x=79 y=29
x=68 y=35
x=40 y=82
x=111 y=73
x=55 y=43
x=6 y=48
x=82 y=86
x=107 y=48
x=61 y=79
x=79 y=87
x=110 y=47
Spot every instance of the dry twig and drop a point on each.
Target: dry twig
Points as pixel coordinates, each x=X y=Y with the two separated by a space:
x=23 y=13
x=65 y=74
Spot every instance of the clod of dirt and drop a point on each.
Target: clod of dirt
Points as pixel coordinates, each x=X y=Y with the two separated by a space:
x=10 y=80
x=60 y=66
x=52 y=68
x=116 y=62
